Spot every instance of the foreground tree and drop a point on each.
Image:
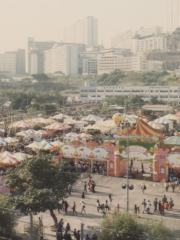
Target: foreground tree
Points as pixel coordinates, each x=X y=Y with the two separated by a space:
x=126 y=226
x=7 y=221
x=40 y=184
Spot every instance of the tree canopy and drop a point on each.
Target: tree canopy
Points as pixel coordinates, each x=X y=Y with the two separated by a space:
x=131 y=228
x=40 y=184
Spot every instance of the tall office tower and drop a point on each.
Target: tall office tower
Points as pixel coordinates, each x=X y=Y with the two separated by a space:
x=13 y=62
x=84 y=31
x=173 y=17
x=35 y=53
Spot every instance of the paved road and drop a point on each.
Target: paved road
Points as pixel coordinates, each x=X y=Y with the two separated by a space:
x=105 y=186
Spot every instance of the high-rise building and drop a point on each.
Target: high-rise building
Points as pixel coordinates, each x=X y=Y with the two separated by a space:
x=35 y=53
x=13 y=62
x=173 y=15
x=84 y=31
x=63 y=58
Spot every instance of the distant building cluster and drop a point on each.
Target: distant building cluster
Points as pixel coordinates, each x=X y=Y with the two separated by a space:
x=80 y=54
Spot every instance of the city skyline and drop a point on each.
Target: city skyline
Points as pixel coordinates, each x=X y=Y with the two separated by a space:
x=18 y=25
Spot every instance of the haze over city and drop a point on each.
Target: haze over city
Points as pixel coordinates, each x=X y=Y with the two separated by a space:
x=46 y=20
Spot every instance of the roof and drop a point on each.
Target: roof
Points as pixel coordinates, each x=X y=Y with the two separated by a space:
x=141 y=128
x=157 y=107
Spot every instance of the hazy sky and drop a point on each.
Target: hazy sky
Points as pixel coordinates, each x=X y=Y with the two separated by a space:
x=46 y=19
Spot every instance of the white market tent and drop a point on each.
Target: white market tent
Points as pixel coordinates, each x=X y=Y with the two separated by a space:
x=155 y=125
x=11 y=140
x=172 y=117
x=60 y=116
x=164 y=121
x=57 y=126
x=69 y=137
x=91 y=118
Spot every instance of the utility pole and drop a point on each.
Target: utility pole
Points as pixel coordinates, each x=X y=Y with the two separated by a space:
x=127 y=204
x=82 y=231
x=63 y=119
x=31 y=223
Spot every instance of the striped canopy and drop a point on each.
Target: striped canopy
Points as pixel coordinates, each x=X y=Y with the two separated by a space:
x=9 y=160
x=140 y=128
x=155 y=125
x=84 y=135
x=162 y=121
x=23 y=134
x=5 y=154
x=92 y=118
x=2 y=141
x=40 y=132
x=46 y=145
x=57 y=126
x=22 y=124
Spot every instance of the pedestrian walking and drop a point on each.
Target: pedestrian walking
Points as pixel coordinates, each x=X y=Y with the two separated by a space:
x=159 y=205
x=59 y=227
x=107 y=206
x=148 y=206
x=173 y=186
x=143 y=187
x=110 y=199
x=74 y=234
x=83 y=195
x=171 y=204
x=117 y=208
x=85 y=187
x=68 y=228
x=98 y=205
x=167 y=187
x=164 y=199
x=135 y=210
x=138 y=212
x=83 y=207
x=144 y=203
x=66 y=206
x=78 y=235
x=74 y=208
x=69 y=189
x=166 y=206
x=162 y=209
x=155 y=204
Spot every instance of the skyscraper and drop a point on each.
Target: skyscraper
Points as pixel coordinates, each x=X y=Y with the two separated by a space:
x=83 y=31
x=173 y=17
